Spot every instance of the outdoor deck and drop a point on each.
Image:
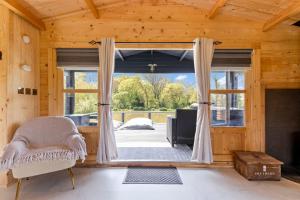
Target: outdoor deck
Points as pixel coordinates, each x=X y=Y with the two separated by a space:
x=143 y=138
x=149 y=145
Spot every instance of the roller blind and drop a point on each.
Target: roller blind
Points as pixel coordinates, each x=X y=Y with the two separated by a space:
x=232 y=59
x=168 y=61
x=85 y=59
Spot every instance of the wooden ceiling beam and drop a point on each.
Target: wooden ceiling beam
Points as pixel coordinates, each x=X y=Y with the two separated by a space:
x=17 y=8
x=283 y=15
x=93 y=8
x=215 y=9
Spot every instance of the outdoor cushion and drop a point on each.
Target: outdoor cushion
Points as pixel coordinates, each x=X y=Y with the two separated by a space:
x=117 y=124
x=138 y=124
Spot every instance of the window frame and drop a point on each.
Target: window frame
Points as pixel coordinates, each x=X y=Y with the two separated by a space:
x=228 y=92
x=211 y=91
x=78 y=91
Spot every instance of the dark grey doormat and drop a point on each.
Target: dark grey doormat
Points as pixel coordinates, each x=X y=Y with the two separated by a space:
x=152 y=175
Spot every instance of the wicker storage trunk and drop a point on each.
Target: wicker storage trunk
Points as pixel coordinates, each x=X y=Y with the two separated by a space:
x=257 y=166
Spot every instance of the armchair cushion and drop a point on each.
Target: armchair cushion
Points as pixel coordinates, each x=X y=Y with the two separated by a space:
x=46 y=153
x=48 y=139
x=36 y=161
x=42 y=167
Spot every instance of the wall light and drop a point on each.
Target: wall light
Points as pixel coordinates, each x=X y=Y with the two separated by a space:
x=26 y=39
x=152 y=67
x=26 y=68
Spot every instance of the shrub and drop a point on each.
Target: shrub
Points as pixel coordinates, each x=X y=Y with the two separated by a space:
x=139 y=108
x=163 y=109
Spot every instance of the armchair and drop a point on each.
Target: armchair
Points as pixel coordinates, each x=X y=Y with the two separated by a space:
x=181 y=129
x=43 y=145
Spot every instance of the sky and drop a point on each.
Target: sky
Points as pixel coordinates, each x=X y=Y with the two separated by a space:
x=186 y=78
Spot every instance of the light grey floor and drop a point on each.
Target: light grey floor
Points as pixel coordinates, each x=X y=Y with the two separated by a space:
x=198 y=184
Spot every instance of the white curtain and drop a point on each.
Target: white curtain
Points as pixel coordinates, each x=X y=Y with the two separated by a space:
x=107 y=149
x=203 y=54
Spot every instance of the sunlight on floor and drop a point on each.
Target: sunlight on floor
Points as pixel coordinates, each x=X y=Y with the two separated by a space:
x=143 y=138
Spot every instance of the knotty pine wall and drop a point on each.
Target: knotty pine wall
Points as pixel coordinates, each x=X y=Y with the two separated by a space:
x=16 y=108
x=276 y=58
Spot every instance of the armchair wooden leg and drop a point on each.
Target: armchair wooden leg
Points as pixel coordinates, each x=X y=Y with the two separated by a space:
x=72 y=177
x=18 y=189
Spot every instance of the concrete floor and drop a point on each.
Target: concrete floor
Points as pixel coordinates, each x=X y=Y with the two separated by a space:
x=106 y=184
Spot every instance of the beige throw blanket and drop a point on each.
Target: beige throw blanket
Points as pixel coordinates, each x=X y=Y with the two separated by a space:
x=44 y=139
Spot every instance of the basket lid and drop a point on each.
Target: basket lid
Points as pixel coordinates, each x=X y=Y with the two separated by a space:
x=250 y=158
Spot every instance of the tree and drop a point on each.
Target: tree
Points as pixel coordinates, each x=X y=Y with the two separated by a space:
x=135 y=94
x=121 y=100
x=148 y=94
x=174 y=96
x=151 y=92
x=85 y=103
x=158 y=83
x=193 y=96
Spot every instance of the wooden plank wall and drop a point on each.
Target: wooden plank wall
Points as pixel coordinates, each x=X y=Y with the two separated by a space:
x=276 y=58
x=4 y=33
x=16 y=108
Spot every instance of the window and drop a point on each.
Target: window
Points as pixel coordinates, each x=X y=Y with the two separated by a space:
x=228 y=98
x=80 y=96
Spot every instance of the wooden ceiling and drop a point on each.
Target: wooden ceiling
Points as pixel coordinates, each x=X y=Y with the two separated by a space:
x=268 y=12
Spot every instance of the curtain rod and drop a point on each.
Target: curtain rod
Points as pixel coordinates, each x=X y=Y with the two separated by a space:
x=93 y=42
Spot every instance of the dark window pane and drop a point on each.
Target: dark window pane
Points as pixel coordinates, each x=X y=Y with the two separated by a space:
x=218 y=110
x=237 y=109
x=236 y=80
x=227 y=109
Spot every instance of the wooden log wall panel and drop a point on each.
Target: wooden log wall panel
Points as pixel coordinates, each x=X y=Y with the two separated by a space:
x=22 y=11
x=280 y=61
x=55 y=86
x=44 y=101
x=91 y=138
x=279 y=49
x=4 y=46
x=254 y=119
x=156 y=24
x=16 y=108
x=227 y=139
x=52 y=80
